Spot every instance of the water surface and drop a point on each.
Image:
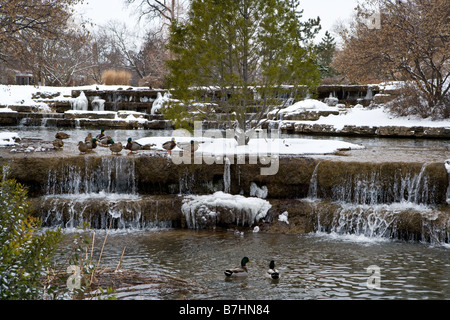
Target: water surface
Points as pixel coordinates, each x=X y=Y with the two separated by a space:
x=312 y=266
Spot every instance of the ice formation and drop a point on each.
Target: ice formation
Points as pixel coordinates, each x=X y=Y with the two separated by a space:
x=206 y=210
x=80 y=103
x=258 y=192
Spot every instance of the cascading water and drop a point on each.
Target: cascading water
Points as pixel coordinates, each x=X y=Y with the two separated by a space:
x=112 y=175
x=376 y=187
x=102 y=192
x=373 y=204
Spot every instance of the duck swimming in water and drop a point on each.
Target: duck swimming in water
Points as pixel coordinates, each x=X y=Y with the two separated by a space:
x=239 y=271
x=272 y=272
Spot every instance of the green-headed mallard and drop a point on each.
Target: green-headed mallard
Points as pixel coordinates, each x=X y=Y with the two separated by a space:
x=272 y=272
x=115 y=147
x=58 y=144
x=169 y=145
x=239 y=271
x=92 y=144
x=100 y=135
x=104 y=141
x=133 y=146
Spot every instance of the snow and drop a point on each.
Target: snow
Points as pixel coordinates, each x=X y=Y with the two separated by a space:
x=284 y=217
x=199 y=209
x=161 y=101
x=306 y=105
x=7 y=110
x=257 y=147
x=8 y=138
x=376 y=117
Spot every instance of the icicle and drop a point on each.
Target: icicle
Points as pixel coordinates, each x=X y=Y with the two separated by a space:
x=227 y=176
x=313 y=184
x=447 y=166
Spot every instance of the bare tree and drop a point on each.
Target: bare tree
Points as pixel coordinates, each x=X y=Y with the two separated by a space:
x=166 y=11
x=410 y=42
x=24 y=24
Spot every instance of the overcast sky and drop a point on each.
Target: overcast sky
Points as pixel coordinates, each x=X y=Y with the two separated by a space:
x=100 y=11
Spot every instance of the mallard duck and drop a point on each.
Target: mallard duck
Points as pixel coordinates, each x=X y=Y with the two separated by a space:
x=239 y=271
x=92 y=144
x=115 y=148
x=272 y=272
x=133 y=146
x=88 y=138
x=169 y=145
x=104 y=141
x=82 y=147
x=191 y=146
x=58 y=144
x=100 y=135
x=62 y=135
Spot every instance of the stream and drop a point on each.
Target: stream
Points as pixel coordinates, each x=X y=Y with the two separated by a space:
x=312 y=266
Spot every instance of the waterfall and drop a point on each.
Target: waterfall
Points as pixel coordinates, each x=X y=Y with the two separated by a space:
x=95 y=192
x=405 y=221
x=100 y=211
x=112 y=175
x=370 y=221
x=379 y=203
x=377 y=188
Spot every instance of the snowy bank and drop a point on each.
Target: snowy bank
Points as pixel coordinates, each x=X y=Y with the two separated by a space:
x=374 y=118
x=8 y=138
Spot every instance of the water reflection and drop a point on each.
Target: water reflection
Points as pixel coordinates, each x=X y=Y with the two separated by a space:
x=312 y=266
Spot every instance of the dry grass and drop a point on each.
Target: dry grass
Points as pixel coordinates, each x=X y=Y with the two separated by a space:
x=114 y=77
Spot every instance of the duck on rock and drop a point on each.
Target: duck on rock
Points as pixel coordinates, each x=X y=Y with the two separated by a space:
x=115 y=147
x=169 y=145
x=133 y=146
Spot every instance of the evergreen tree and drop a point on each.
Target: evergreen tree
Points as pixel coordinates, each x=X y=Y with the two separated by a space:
x=247 y=50
x=325 y=53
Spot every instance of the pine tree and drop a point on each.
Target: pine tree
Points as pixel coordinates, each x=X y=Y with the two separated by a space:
x=325 y=53
x=246 y=50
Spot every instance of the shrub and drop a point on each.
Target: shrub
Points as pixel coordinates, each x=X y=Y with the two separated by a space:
x=114 y=77
x=26 y=251
x=412 y=101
